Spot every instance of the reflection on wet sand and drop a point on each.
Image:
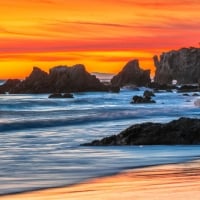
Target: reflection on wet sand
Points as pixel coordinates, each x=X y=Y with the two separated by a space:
x=176 y=181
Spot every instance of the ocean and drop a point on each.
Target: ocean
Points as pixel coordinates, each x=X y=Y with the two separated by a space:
x=40 y=138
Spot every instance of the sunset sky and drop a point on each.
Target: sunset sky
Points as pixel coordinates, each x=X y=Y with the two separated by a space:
x=102 y=34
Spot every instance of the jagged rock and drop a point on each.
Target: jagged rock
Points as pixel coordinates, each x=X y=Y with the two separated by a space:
x=74 y=79
x=146 y=98
x=8 y=85
x=61 y=79
x=132 y=74
x=181 y=131
x=36 y=82
x=182 y=65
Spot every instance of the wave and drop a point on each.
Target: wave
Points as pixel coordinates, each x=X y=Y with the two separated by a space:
x=47 y=123
x=35 y=120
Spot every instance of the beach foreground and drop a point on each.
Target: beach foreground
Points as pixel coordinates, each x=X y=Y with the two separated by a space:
x=174 y=181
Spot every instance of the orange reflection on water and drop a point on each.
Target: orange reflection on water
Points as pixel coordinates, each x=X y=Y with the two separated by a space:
x=164 y=182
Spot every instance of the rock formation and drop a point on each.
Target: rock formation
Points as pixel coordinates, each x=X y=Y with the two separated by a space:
x=181 y=131
x=132 y=74
x=188 y=88
x=61 y=79
x=8 y=85
x=182 y=65
x=36 y=82
x=73 y=79
x=146 y=98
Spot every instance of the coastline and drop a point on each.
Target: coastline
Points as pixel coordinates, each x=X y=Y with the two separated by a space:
x=175 y=181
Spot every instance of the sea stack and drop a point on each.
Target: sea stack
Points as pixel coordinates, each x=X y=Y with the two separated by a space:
x=132 y=74
x=61 y=79
x=182 y=65
x=74 y=79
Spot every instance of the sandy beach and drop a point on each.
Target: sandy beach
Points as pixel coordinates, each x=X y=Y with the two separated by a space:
x=174 y=181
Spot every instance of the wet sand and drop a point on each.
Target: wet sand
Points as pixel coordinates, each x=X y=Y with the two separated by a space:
x=166 y=182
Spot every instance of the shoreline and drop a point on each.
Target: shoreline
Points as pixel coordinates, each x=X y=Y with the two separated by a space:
x=181 y=180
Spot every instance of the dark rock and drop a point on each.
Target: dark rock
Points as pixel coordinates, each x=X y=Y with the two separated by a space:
x=195 y=95
x=61 y=79
x=188 y=88
x=181 y=131
x=132 y=74
x=162 y=87
x=182 y=65
x=59 y=95
x=36 y=82
x=146 y=98
x=8 y=85
x=74 y=79
x=114 y=89
x=148 y=93
x=68 y=95
x=139 y=99
x=185 y=94
x=56 y=95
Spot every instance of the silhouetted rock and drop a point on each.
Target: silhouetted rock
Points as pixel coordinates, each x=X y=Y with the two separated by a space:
x=8 y=85
x=36 y=82
x=181 y=131
x=162 y=87
x=189 y=88
x=74 y=79
x=68 y=95
x=56 y=95
x=182 y=65
x=197 y=102
x=146 y=98
x=61 y=79
x=59 y=95
x=132 y=74
x=139 y=99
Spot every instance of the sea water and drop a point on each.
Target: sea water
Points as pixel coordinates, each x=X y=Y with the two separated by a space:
x=40 y=138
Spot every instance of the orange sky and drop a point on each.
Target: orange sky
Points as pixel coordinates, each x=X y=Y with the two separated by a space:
x=102 y=34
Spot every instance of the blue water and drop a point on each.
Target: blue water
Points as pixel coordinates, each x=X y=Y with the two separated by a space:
x=40 y=138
